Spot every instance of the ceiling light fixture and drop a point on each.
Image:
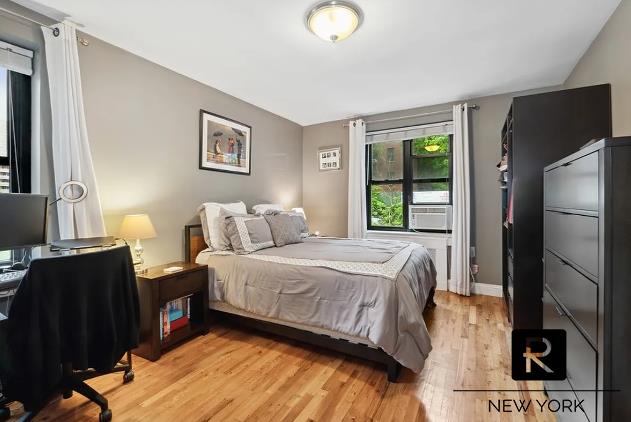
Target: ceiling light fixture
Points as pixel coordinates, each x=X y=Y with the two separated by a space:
x=334 y=20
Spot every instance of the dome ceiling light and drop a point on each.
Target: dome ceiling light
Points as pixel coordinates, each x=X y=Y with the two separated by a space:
x=334 y=20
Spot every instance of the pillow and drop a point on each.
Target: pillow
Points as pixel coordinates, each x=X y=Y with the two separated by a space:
x=301 y=223
x=224 y=237
x=262 y=208
x=248 y=233
x=209 y=215
x=284 y=230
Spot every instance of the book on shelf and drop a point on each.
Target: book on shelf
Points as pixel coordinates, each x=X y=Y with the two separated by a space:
x=174 y=315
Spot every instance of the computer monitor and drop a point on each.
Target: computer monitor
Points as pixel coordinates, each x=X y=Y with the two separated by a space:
x=22 y=220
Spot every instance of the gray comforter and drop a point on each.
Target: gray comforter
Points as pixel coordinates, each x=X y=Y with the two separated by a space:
x=344 y=285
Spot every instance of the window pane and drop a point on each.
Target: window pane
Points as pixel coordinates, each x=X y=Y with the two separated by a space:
x=436 y=144
x=4 y=151
x=386 y=205
x=431 y=167
x=435 y=192
x=4 y=179
x=387 y=161
x=3 y=113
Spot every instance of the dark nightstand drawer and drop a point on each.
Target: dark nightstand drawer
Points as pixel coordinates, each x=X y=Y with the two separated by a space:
x=182 y=285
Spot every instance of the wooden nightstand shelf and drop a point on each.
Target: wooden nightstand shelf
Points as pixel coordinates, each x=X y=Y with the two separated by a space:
x=155 y=289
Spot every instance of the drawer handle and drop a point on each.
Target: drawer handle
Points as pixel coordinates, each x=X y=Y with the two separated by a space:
x=567 y=164
x=563 y=261
x=559 y=311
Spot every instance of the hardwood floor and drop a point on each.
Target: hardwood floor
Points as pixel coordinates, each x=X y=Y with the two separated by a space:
x=240 y=375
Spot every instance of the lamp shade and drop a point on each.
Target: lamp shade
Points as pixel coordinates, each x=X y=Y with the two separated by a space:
x=137 y=226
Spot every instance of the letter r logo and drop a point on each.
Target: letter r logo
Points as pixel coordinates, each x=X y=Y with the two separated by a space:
x=538 y=355
x=534 y=356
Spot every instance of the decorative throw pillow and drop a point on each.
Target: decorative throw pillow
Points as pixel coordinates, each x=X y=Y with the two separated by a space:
x=284 y=230
x=261 y=209
x=209 y=216
x=248 y=233
x=301 y=223
x=224 y=237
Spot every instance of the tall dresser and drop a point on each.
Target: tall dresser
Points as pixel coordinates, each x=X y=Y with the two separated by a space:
x=587 y=225
x=539 y=130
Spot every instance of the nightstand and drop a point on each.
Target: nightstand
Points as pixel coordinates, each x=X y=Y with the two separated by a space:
x=155 y=289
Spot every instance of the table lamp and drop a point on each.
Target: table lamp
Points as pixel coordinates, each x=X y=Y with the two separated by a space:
x=137 y=226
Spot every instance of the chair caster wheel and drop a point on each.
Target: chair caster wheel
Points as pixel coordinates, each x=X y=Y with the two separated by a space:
x=105 y=416
x=128 y=377
x=67 y=394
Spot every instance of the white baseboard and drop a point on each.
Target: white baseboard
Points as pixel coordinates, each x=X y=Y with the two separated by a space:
x=486 y=289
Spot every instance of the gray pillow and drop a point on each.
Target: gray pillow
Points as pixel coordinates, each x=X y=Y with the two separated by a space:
x=284 y=230
x=301 y=224
x=223 y=238
x=248 y=233
x=299 y=220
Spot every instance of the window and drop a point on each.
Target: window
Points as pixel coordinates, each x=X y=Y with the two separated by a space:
x=15 y=131
x=4 y=138
x=409 y=172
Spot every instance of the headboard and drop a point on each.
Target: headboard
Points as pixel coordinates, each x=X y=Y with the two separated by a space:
x=194 y=241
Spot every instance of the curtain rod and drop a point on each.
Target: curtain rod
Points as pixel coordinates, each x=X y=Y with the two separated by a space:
x=430 y=113
x=82 y=41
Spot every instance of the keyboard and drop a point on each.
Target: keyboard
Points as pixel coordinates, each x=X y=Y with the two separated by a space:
x=11 y=279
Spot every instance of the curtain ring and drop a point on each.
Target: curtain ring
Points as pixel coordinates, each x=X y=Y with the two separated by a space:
x=83 y=191
x=354 y=124
x=56 y=32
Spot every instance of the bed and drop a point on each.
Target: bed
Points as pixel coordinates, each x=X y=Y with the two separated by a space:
x=360 y=297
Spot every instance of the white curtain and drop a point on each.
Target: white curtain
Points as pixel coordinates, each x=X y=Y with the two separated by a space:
x=459 y=281
x=72 y=159
x=356 y=179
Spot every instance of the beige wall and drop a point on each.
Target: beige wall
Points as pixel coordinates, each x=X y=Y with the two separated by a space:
x=143 y=124
x=325 y=194
x=608 y=60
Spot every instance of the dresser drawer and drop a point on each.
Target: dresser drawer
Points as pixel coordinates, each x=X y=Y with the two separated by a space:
x=182 y=285
x=573 y=185
x=578 y=294
x=581 y=357
x=574 y=237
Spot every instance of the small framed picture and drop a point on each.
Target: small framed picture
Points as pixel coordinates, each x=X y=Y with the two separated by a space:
x=330 y=158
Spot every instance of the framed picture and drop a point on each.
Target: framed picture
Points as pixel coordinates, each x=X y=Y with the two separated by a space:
x=224 y=144
x=330 y=158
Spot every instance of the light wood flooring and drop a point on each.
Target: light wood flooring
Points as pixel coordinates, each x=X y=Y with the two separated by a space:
x=233 y=374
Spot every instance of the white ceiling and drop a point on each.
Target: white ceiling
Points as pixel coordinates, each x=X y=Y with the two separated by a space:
x=407 y=53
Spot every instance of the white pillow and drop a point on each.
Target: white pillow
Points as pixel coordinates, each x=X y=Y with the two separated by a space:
x=262 y=208
x=209 y=215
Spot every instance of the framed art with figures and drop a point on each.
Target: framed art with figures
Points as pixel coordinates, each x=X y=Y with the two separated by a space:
x=224 y=144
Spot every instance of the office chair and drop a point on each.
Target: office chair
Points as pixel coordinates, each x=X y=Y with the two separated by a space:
x=73 y=318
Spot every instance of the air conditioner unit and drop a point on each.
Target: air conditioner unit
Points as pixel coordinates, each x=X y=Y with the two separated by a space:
x=430 y=217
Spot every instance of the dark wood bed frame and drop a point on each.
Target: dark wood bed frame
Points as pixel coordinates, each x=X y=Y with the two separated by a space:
x=194 y=244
